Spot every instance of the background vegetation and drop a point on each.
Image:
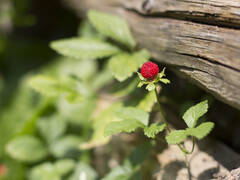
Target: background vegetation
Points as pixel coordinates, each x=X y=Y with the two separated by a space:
x=54 y=138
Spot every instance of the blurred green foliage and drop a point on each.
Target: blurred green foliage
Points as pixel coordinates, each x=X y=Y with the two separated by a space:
x=50 y=135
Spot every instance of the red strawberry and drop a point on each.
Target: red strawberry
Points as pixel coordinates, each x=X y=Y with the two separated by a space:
x=149 y=70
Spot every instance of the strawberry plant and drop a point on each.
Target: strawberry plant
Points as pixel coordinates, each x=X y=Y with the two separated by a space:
x=103 y=55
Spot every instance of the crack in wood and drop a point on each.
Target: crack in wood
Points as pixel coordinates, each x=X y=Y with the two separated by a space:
x=209 y=60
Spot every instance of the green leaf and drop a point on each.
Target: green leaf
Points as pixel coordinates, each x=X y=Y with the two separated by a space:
x=27 y=149
x=176 y=137
x=118 y=173
x=192 y=115
x=201 y=131
x=162 y=73
x=53 y=87
x=47 y=85
x=154 y=129
x=21 y=113
x=147 y=102
x=51 y=128
x=129 y=113
x=103 y=78
x=84 y=48
x=77 y=113
x=112 y=26
x=45 y=171
x=86 y=30
x=125 y=88
x=164 y=80
x=64 y=166
x=150 y=87
x=127 y=126
x=84 y=172
x=140 y=76
x=66 y=146
x=140 y=84
x=99 y=122
x=124 y=65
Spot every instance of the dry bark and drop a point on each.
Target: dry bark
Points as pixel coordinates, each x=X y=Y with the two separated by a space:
x=198 y=38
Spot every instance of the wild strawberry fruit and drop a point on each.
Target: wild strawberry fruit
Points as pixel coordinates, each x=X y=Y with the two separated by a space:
x=149 y=70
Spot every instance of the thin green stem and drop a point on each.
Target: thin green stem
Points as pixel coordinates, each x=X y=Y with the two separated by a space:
x=193 y=145
x=188 y=168
x=182 y=148
x=160 y=110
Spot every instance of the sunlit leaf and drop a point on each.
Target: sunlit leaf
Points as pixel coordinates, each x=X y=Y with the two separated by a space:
x=83 y=172
x=176 y=137
x=47 y=85
x=112 y=26
x=192 y=115
x=86 y=30
x=84 y=48
x=124 y=65
x=127 y=126
x=129 y=113
x=27 y=149
x=45 y=171
x=150 y=87
x=100 y=121
x=165 y=81
x=64 y=166
x=147 y=102
x=154 y=129
x=201 y=131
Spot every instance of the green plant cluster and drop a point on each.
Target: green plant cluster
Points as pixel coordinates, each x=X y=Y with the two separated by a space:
x=52 y=140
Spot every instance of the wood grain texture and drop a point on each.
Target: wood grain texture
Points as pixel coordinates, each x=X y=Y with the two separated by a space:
x=207 y=54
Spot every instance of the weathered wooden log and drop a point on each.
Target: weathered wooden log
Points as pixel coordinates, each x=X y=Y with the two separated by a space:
x=197 y=38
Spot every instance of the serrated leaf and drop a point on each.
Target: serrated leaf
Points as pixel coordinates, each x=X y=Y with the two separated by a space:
x=64 y=166
x=192 y=115
x=201 y=131
x=51 y=128
x=113 y=27
x=128 y=126
x=176 y=137
x=124 y=65
x=150 y=87
x=147 y=102
x=154 y=129
x=66 y=146
x=84 y=48
x=27 y=149
x=45 y=171
x=129 y=113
